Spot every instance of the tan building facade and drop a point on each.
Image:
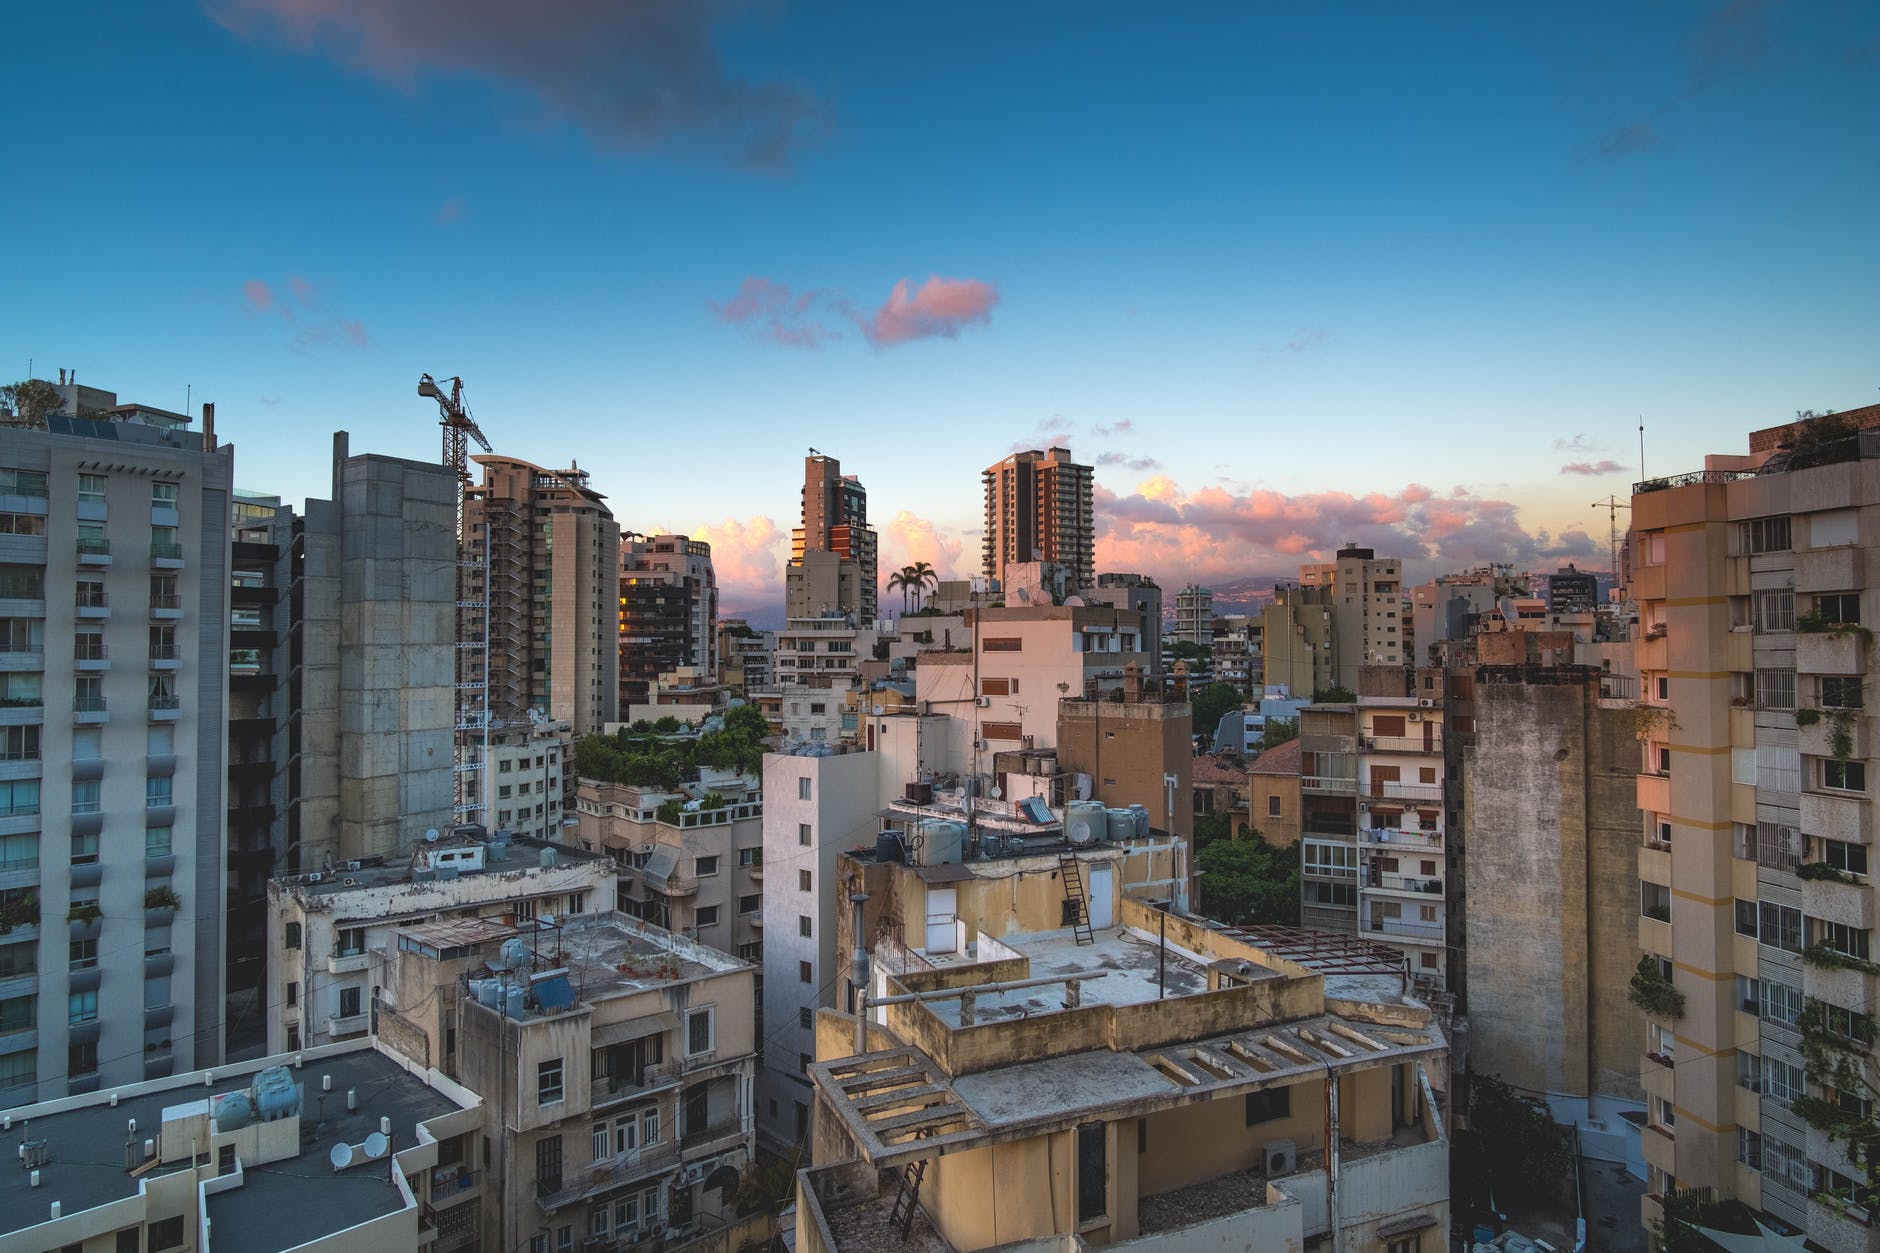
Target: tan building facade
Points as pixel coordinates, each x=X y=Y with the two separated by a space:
x=1373 y=627
x=1273 y=794
x=1039 y=508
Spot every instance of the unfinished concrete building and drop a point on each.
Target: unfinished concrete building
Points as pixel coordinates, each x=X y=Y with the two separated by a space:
x=1154 y=1081
x=1549 y=787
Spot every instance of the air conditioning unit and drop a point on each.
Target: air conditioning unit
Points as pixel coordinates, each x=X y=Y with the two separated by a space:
x=316 y=876
x=984 y=702
x=1415 y=716
x=1281 y=1156
x=352 y=865
x=1426 y=702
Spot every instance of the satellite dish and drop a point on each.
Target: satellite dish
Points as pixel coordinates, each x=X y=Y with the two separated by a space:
x=430 y=836
x=341 y=1155
x=1074 y=602
x=376 y=1144
x=995 y=793
x=1509 y=613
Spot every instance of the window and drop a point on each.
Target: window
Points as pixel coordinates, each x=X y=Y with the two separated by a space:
x=1780 y=1002
x=750 y=857
x=1749 y=1148
x=22 y=524
x=804 y=881
x=157 y=792
x=1847 y=1024
x=805 y=972
x=802 y=794
x=84 y=849
x=1782 y=1081
x=81 y=1059
x=603 y=1148
x=19 y=797
x=802 y=830
x=1409 y=1244
x=752 y=904
x=1775 y=689
x=1845 y=857
x=166 y=1233
x=157 y=844
x=22 y=482
x=17 y=1013
x=1837 y=608
x=85 y=796
x=19 y=960
x=1770 y=844
x=293 y=993
x=548 y=1154
x=1764 y=535
x=163 y=495
x=548 y=1084
x=1268 y=1104
x=805 y=1017
x=707 y=916
x=20 y=689
x=22 y=635
x=91 y=489
x=1272 y=806
x=1842 y=692
x=1843 y=939
x=1774 y=610
x=351 y=942
x=1785 y=1162
x=1779 y=926
x=81 y=1007
x=1093 y=1171
x=349 y=1002
x=698 y=1031
x=22 y=582
x=19 y=743
x=1844 y=776
x=705 y=867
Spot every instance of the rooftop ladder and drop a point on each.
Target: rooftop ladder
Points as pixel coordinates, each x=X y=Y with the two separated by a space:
x=1076 y=904
x=907 y=1200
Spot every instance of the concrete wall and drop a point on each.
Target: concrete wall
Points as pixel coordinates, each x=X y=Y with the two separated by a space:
x=1127 y=749
x=1552 y=898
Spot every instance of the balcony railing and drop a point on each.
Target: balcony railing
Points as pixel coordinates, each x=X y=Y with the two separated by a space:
x=94 y=548
x=165 y=652
x=1327 y=783
x=160 y=601
x=1403 y=882
x=160 y=701
x=1405 y=928
x=1400 y=837
x=92 y=600
x=88 y=704
x=87 y=649
x=1388 y=791
x=162 y=551
x=574 y=1185
x=1403 y=743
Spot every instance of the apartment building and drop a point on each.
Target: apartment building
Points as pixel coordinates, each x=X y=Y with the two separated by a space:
x=1273 y=794
x=1298 y=633
x=529 y=781
x=1038 y=508
x=1754 y=590
x=550 y=581
x=1367 y=597
x=817 y=663
x=833 y=554
x=1401 y=816
x=613 y=1061
x=691 y=859
x=329 y=930
x=668 y=612
x=1141 y=595
x=1328 y=816
x=1549 y=788
x=1235 y=656
x=348 y=1148
x=1146 y=1080
x=744 y=657
x=114 y=703
x=1194 y=616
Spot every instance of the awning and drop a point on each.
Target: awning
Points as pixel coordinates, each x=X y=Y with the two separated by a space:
x=632 y=1029
x=946 y=872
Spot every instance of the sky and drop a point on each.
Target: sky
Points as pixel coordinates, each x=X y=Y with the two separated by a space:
x=1290 y=275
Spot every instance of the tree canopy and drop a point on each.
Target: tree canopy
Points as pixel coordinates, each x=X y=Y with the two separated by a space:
x=653 y=756
x=1248 y=882
x=1514 y=1150
x=1278 y=731
x=1210 y=703
x=30 y=401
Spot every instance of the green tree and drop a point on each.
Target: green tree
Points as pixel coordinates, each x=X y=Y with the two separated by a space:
x=1333 y=696
x=1278 y=731
x=1248 y=882
x=1514 y=1149
x=30 y=401
x=1188 y=650
x=924 y=576
x=898 y=581
x=1210 y=703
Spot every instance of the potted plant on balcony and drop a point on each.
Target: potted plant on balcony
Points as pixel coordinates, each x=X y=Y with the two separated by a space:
x=1653 y=992
x=162 y=897
x=22 y=911
x=84 y=913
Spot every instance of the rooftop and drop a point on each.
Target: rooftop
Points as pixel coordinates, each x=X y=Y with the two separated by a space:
x=1211 y=769
x=278 y=1206
x=517 y=853
x=1281 y=759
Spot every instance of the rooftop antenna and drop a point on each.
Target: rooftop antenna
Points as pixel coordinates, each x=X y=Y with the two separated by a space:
x=1641 y=447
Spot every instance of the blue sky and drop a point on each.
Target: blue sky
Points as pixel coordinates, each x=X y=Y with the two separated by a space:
x=1299 y=273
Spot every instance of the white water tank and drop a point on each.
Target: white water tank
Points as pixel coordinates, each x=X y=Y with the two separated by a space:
x=1084 y=821
x=940 y=842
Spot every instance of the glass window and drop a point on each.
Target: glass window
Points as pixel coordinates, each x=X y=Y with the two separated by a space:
x=18 y=797
x=698 y=1031
x=84 y=849
x=22 y=524
x=91 y=488
x=157 y=792
x=1842 y=692
x=19 y=743
x=548 y=1082
x=163 y=495
x=157 y=843
x=802 y=833
x=82 y=1007
x=1764 y=535
x=85 y=796
x=1775 y=610
x=22 y=635
x=22 y=482
x=1844 y=776
x=1779 y=926
x=707 y=916
x=19 y=959
x=1775 y=689
x=20 y=689
x=22 y=582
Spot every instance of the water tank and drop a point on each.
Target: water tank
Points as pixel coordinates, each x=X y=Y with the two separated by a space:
x=487 y=991
x=548 y=859
x=514 y=954
x=940 y=842
x=1122 y=825
x=516 y=1002
x=888 y=846
x=276 y=1094
x=1142 y=820
x=233 y=1110
x=1084 y=821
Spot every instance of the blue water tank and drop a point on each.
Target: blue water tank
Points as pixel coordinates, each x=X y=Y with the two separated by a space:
x=514 y=954
x=276 y=1094
x=233 y=1110
x=517 y=1003
x=1142 y=820
x=486 y=991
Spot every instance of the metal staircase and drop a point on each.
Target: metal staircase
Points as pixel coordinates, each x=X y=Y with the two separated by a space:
x=1076 y=904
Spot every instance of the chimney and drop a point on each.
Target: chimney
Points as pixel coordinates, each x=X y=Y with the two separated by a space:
x=61 y=376
x=208 y=427
x=1132 y=684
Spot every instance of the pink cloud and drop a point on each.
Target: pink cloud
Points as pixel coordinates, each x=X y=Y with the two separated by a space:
x=259 y=295
x=748 y=555
x=451 y=211
x=1591 y=467
x=306 y=295
x=633 y=76
x=1303 y=339
x=941 y=307
x=909 y=538
x=300 y=309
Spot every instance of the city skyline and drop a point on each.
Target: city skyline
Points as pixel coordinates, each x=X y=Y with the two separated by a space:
x=1414 y=293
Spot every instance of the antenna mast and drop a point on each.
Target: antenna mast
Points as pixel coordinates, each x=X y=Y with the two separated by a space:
x=472 y=719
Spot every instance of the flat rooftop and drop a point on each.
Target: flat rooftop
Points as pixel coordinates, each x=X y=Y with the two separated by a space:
x=522 y=853
x=1131 y=962
x=278 y=1206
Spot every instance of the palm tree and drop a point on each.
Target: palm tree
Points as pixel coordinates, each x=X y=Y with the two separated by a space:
x=910 y=582
x=899 y=580
x=923 y=575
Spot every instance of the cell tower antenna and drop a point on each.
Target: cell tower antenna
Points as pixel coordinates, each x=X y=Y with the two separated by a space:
x=1612 y=505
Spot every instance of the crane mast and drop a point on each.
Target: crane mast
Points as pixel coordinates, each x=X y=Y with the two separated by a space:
x=472 y=710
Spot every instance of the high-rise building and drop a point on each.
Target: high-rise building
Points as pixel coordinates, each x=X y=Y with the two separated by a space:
x=1297 y=630
x=1572 y=590
x=1754 y=580
x=668 y=612
x=833 y=554
x=1039 y=508
x=1194 y=616
x=114 y=705
x=553 y=554
x=1367 y=599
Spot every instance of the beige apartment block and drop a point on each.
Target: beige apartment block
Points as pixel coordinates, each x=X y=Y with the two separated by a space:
x=695 y=871
x=1298 y=630
x=833 y=554
x=551 y=584
x=1194 y=616
x=1368 y=597
x=614 y=1064
x=1151 y=1081
x=1755 y=580
x=1038 y=508
x=346 y=1148
x=1273 y=802
x=1402 y=851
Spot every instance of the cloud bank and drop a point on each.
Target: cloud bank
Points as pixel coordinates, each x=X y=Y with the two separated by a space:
x=939 y=308
x=298 y=305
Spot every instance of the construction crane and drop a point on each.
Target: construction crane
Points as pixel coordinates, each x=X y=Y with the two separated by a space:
x=459 y=427
x=1612 y=505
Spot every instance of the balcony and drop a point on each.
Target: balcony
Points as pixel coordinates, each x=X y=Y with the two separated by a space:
x=94 y=552
x=91 y=655
x=165 y=608
x=165 y=708
x=1422 y=885
x=1654 y=793
x=88 y=710
x=1851 y=904
x=1397 y=837
x=1426 y=932
x=347 y=963
x=1403 y=744
x=1334 y=784
x=166 y=555
x=1824 y=652
x=1431 y=793
x=165 y=657
x=340 y=1025
x=1838 y=816
x=20 y=711
x=577 y=1186
x=92 y=605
